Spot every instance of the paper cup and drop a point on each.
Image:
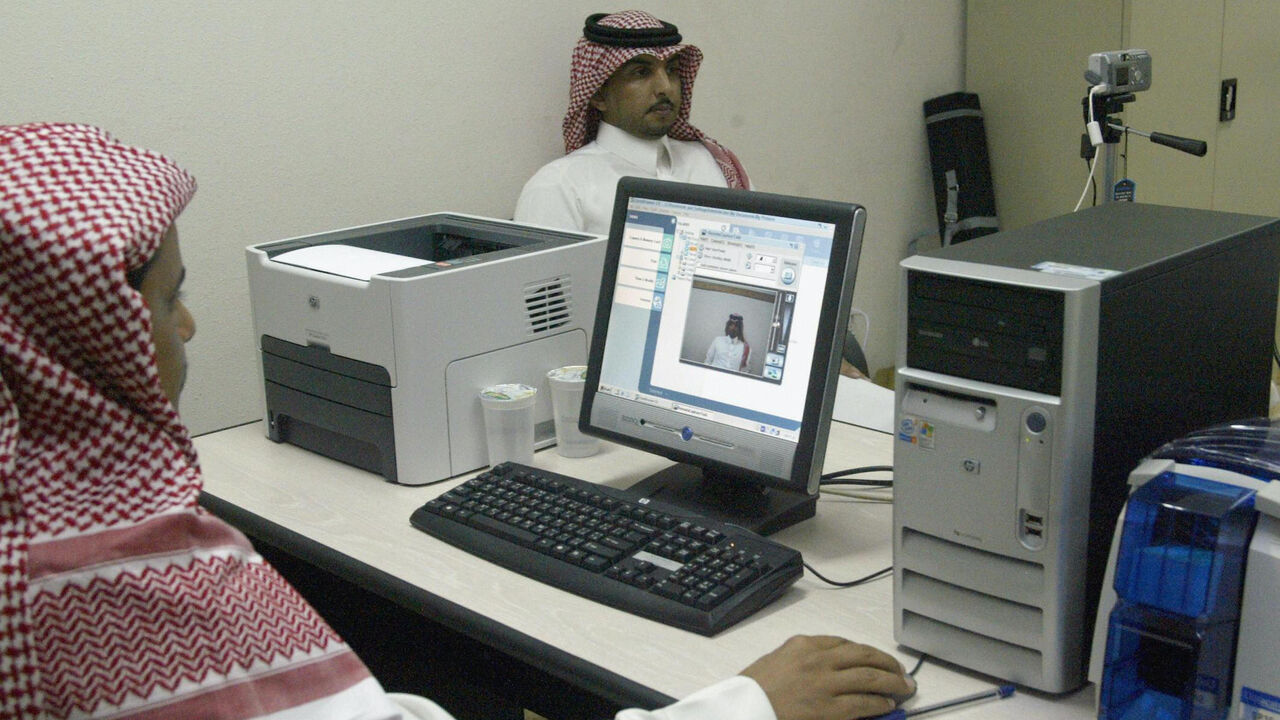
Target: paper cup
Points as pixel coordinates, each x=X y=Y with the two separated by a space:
x=566 y=402
x=508 y=422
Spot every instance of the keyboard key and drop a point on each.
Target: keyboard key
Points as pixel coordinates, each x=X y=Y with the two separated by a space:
x=668 y=589
x=503 y=530
x=713 y=597
x=595 y=563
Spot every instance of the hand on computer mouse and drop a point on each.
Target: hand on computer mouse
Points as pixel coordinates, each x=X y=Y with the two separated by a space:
x=830 y=678
x=898 y=699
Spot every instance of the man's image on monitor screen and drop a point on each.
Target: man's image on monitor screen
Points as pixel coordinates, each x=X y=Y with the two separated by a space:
x=729 y=351
x=736 y=328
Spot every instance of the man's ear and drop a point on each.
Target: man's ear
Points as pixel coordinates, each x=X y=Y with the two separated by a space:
x=597 y=100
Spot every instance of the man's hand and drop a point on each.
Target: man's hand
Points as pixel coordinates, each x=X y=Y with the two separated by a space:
x=829 y=678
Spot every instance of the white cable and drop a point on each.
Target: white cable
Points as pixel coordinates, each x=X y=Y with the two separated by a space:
x=1095 y=130
x=1095 y=138
x=1100 y=87
x=1087 y=180
x=866 y=495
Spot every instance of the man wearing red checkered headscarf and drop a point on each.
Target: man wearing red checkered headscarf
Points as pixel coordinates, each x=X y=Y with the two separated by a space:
x=121 y=598
x=630 y=93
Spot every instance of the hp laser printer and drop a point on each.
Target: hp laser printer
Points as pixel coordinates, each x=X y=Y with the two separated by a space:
x=376 y=340
x=1186 y=628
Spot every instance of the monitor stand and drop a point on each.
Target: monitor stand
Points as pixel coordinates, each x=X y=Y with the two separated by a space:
x=726 y=498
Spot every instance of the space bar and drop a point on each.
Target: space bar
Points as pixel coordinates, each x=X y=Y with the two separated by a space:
x=503 y=530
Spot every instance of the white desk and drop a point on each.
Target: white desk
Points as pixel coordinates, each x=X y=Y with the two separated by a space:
x=365 y=521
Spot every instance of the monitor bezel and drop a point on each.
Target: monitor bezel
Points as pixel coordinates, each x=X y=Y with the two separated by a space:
x=849 y=220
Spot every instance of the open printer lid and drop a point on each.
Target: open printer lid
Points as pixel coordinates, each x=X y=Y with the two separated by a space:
x=414 y=246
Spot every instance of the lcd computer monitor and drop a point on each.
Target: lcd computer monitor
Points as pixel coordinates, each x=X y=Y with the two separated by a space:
x=717 y=343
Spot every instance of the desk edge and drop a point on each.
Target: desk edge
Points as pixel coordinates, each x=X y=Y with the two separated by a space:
x=603 y=683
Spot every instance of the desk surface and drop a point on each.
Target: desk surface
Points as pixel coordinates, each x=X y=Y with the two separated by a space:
x=364 y=519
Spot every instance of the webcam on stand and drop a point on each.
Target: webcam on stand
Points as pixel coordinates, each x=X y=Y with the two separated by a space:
x=1113 y=78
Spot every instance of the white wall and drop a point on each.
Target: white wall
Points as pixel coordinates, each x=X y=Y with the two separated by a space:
x=303 y=116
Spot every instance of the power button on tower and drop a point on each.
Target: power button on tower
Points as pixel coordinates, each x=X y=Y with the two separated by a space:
x=1036 y=422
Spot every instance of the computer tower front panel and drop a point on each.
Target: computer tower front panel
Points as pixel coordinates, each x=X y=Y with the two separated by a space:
x=991 y=487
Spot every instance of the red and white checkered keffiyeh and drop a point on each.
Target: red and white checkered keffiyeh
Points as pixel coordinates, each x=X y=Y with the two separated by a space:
x=593 y=64
x=120 y=597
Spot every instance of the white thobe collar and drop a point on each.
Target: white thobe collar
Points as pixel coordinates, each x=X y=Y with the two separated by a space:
x=641 y=152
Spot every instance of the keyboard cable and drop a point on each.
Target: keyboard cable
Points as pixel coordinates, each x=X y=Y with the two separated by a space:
x=882 y=573
x=841 y=477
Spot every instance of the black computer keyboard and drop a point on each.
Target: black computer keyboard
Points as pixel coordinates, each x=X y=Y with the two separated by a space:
x=600 y=543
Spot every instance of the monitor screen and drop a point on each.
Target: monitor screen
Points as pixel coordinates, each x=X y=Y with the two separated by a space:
x=717 y=343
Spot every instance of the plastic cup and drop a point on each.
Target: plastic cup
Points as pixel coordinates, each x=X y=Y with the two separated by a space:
x=566 y=401
x=508 y=422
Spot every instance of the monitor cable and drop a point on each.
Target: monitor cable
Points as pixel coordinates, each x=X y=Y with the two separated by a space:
x=873 y=491
x=837 y=477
